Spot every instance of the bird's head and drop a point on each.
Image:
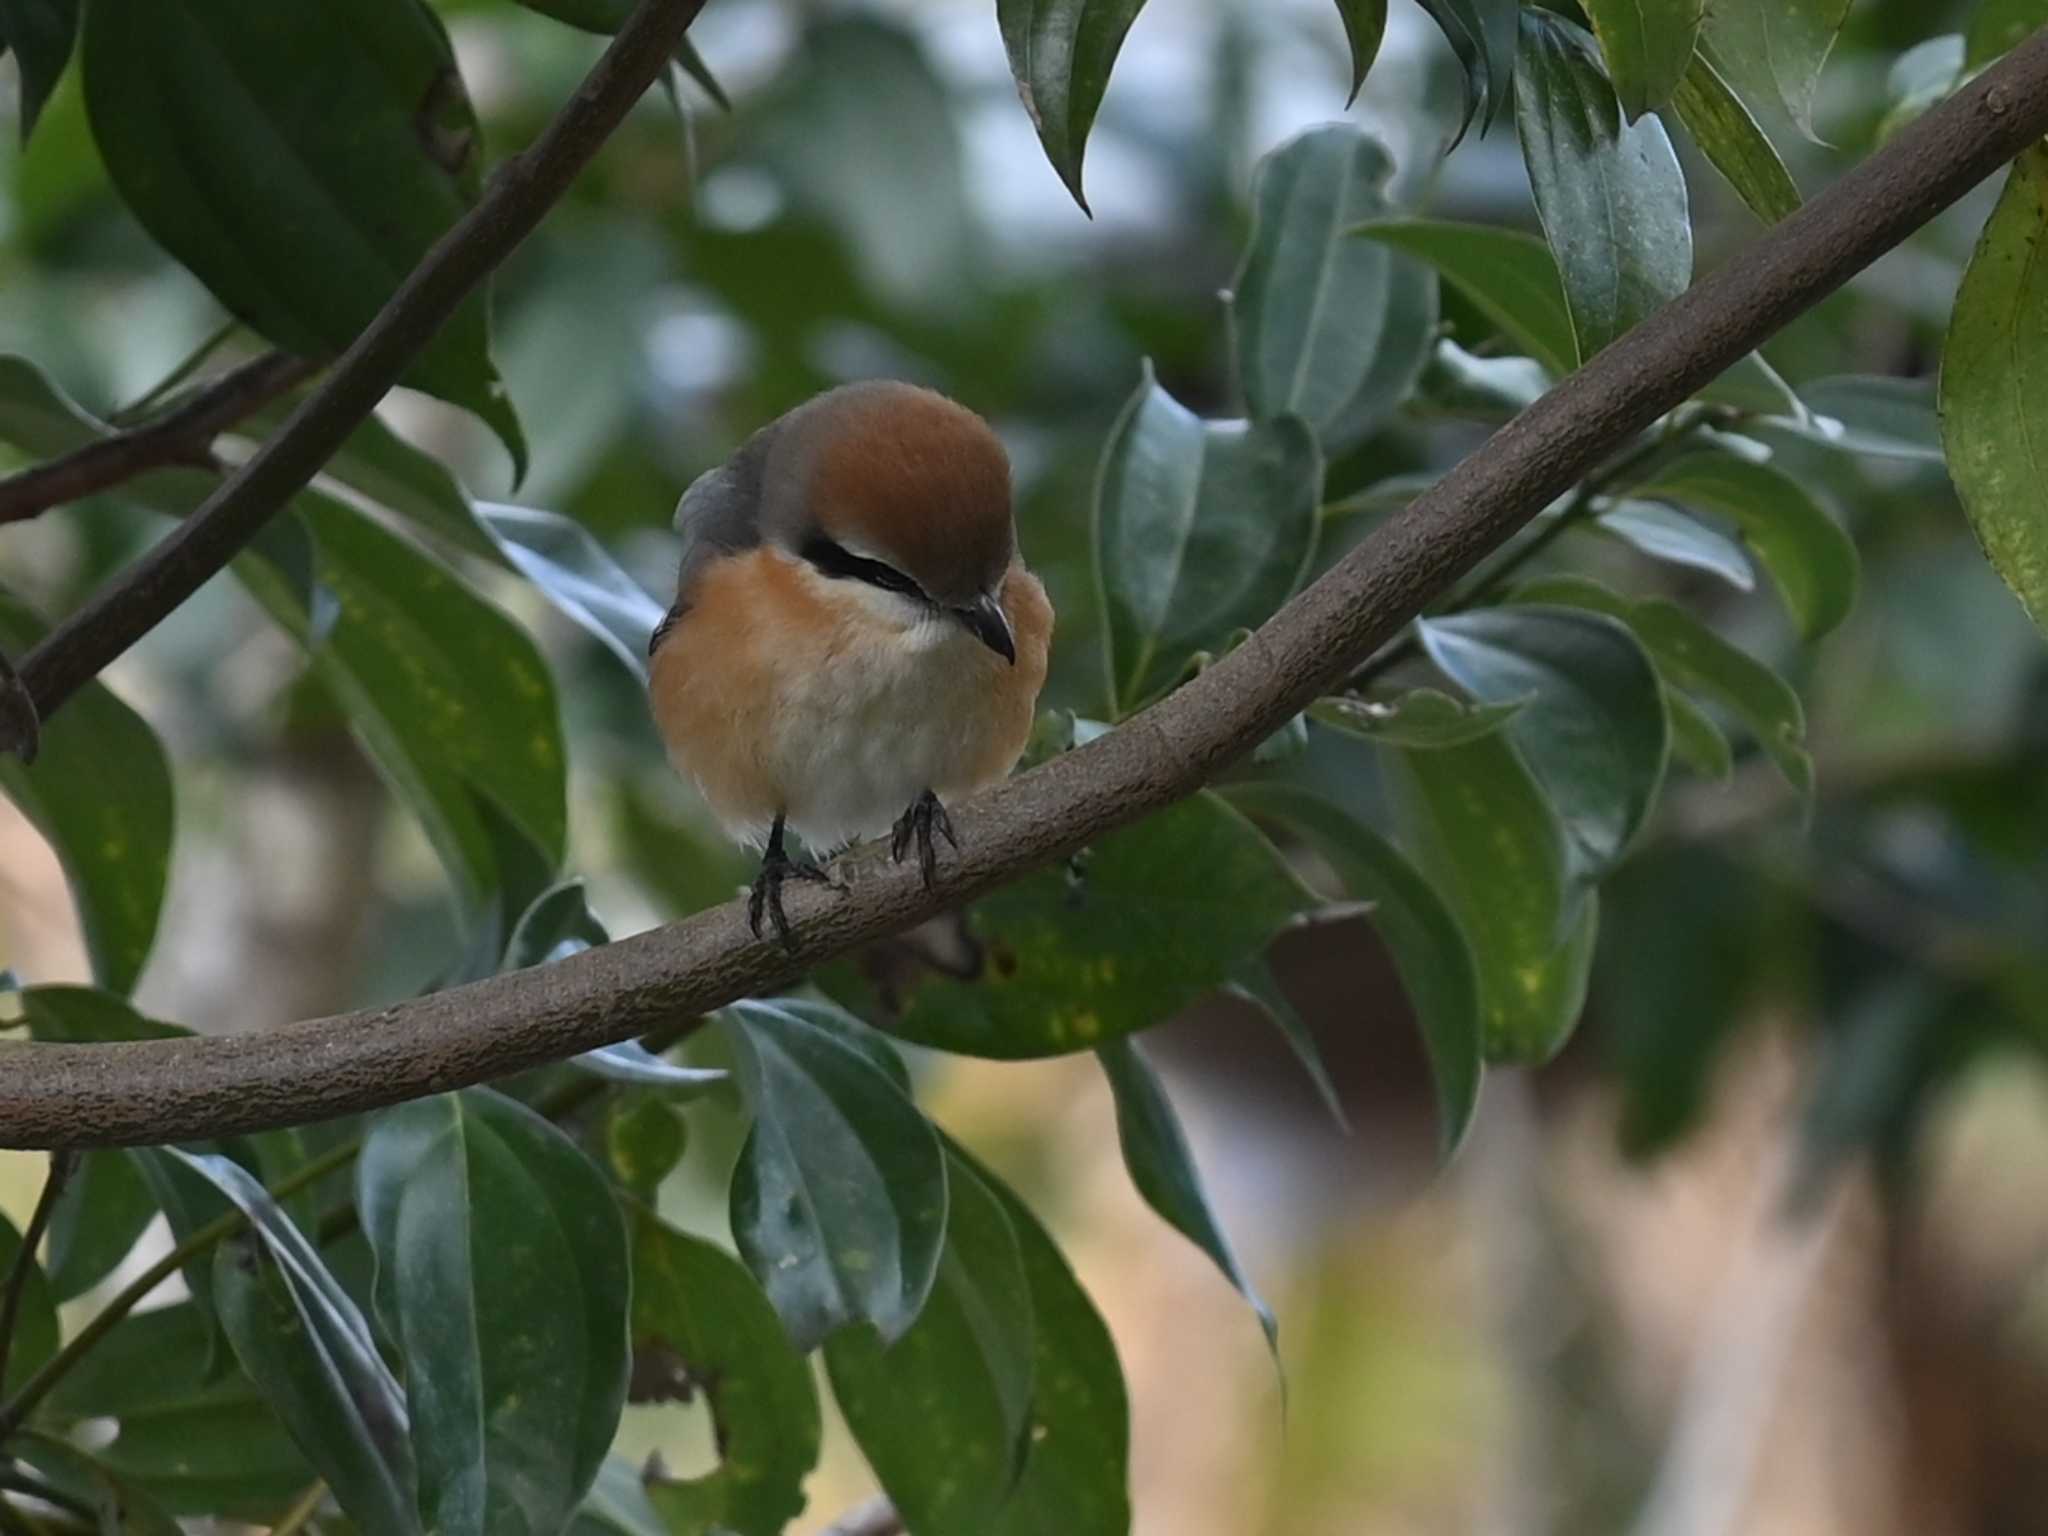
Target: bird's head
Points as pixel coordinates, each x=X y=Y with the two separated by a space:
x=905 y=497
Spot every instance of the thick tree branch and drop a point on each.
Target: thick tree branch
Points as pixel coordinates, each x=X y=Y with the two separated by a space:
x=166 y=1090
x=521 y=192
x=181 y=436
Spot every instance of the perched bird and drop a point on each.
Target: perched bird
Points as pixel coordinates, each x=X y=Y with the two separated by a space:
x=855 y=638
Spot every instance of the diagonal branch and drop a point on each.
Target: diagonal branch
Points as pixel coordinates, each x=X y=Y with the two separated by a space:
x=181 y=436
x=167 y=1090
x=519 y=195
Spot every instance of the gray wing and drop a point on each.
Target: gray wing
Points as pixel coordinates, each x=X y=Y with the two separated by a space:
x=720 y=514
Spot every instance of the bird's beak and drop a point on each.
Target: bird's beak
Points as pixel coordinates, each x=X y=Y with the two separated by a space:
x=986 y=621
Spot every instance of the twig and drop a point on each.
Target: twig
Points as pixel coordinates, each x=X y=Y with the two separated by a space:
x=300 y=1515
x=151 y=1091
x=877 y=1517
x=61 y=1163
x=181 y=436
x=186 y=368
x=518 y=196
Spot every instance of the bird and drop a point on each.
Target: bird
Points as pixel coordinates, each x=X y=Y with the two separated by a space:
x=855 y=638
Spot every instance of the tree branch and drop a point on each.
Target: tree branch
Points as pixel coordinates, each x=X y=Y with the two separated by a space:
x=170 y=1090
x=181 y=436
x=521 y=192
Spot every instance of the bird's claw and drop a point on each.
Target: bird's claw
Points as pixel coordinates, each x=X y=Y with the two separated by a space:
x=765 y=900
x=925 y=815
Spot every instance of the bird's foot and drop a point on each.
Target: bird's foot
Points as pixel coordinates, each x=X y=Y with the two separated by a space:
x=925 y=816
x=766 y=898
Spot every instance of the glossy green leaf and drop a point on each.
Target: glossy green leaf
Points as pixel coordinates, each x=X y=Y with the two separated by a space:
x=100 y=792
x=1482 y=34
x=39 y=34
x=1200 y=528
x=1074 y=960
x=1665 y=533
x=1810 y=559
x=1648 y=46
x=1416 y=717
x=1365 y=24
x=119 y=1506
x=98 y=1219
x=701 y=1324
x=1998 y=26
x=607 y=16
x=577 y=575
x=1592 y=730
x=1429 y=950
x=303 y=223
x=1994 y=385
x=1489 y=843
x=35 y=1325
x=1061 y=52
x=1464 y=384
x=1610 y=194
x=618 y=1504
x=1696 y=741
x=502 y=1277
x=839 y=1199
x=1329 y=329
x=1772 y=51
x=643 y=1141
x=943 y=1414
x=1884 y=418
x=1162 y=1167
x=1733 y=140
x=1509 y=277
x=308 y=1348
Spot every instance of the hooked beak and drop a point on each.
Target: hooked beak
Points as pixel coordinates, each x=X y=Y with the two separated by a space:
x=986 y=621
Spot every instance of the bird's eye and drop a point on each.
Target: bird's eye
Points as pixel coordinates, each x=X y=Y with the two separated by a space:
x=837 y=560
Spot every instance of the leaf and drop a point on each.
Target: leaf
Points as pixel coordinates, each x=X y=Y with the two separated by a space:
x=1667 y=534
x=643 y=1141
x=943 y=1414
x=1461 y=383
x=1509 y=277
x=1328 y=329
x=302 y=223
x=1884 y=418
x=1256 y=985
x=502 y=1274
x=1771 y=51
x=100 y=792
x=1648 y=45
x=839 y=1198
x=1492 y=847
x=1593 y=730
x=305 y=1344
x=1997 y=27
x=1696 y=740
x=1994 y=381
x=1610 y=194
x=97 y=1221
x=561 y=558
x=1060 y=53
x=618 y=1504
x=1429 y=951
x=1810 y=559
x=119 y=1506
x=1072 y=961
x=1417 y=717
x=1482 y=34
x=1365 y=24
x=39 y=33
x=1200 y=528
x=1731 y=138
x=35 y=1324
x=607 y=16
x=1162 y=1167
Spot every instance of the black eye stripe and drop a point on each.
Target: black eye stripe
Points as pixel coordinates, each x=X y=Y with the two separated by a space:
x=836 y=560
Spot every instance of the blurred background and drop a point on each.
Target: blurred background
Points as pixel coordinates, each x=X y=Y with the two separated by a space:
x=1766 y=1251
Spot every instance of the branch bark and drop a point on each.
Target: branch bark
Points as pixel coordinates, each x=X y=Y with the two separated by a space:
x=170 y=1090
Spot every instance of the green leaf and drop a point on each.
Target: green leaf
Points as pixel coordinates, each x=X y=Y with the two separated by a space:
x=97 y=1221
x=1648 y=45
x=119 y=1506
x=1256 y=985
x=1328 y=329
x=1417 y=717
x=1732 y=139
x=1999 y=26
x=39 y=33
x=1994 y=382
x=1200 y=528
x=1429 y=950
x=1491 y=846
x=1060 y=53
x=607 y=16
x=1884 y=418
x=943 y=1414
x=1073 y=961
x=1811 y=560
x=618 y=1504
x=701 y=1324
x=1461 y=383
x=1162 y=1167
x=839 y=1198
x=643 y=1141
x=452 y=698
x=1772 y=51
x=1610 y=193
x=1509 y=277
x=1667 y=534
x=502 y=1275
x=561 y=558
x=1696 y=740
x=35 y=1325
x=1365 y=24
x=100 y=792
x=1593 y=729
x=1482 y=34
x=308 y=1348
